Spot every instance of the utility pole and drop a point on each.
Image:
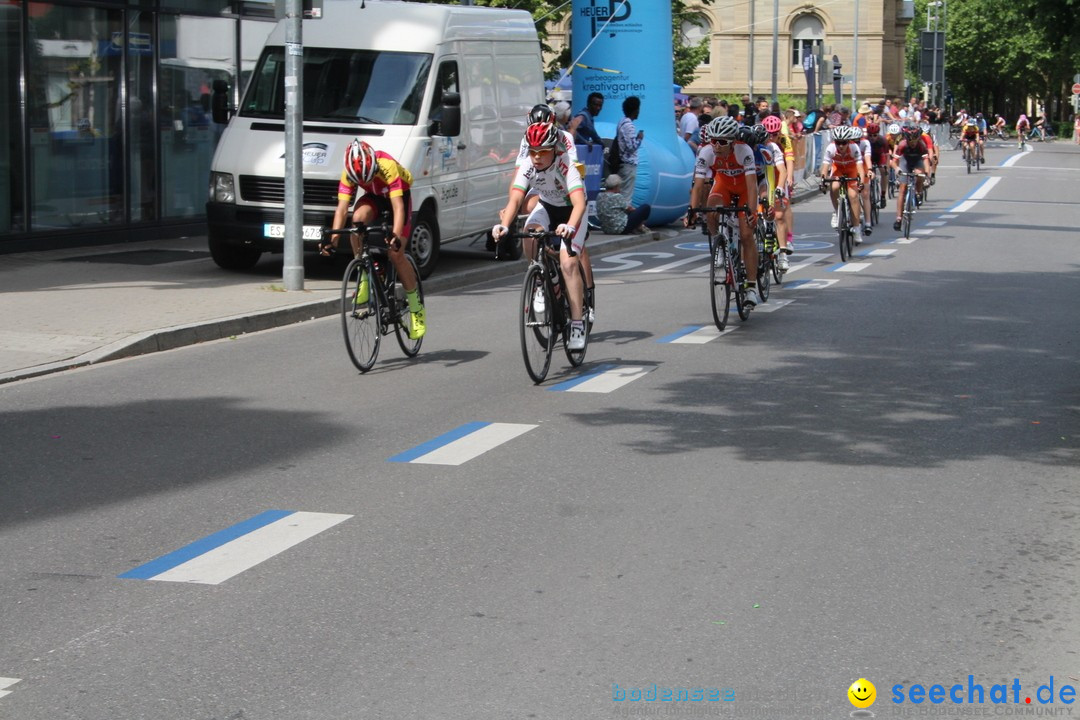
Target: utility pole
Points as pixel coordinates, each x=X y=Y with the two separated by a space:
x=292 y=271
x=775 y=42
x=751 y=73
x=855 y=70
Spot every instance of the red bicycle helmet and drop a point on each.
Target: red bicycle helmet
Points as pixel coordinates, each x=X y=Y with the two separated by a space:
x=360 y=163
x=541 y=136
x=873 y=129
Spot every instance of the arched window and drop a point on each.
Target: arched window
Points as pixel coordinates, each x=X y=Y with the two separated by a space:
x=807 y=36
x=695 y=29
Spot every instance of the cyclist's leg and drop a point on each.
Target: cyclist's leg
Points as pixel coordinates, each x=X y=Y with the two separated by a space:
x=853 y=199
x=574 y=283
x=901 y=178
x=528 y=245
x=748 y=249
x=365 y=213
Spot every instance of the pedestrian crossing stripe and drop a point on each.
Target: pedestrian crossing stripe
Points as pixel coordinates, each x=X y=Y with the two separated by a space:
x=6 y=683
x=229 y=552
x=696 y=334
x=876 y=253
x=462 y=444
x=903 y=241
x=603 y=379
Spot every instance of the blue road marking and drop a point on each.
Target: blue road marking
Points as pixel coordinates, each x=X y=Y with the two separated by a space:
x=201 y=547
x=584 y=378
x=435 y=444
x=682 y=333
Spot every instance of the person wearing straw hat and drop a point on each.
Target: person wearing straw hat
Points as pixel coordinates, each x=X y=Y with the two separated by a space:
x=617 y=215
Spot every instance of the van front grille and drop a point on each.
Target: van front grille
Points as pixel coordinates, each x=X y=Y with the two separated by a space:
x=272 y=190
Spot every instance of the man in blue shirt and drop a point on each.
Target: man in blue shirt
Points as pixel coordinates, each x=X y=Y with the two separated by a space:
x=629 y=139
x=582 y=125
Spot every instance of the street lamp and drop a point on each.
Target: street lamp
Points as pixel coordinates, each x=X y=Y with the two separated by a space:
x=933 y=62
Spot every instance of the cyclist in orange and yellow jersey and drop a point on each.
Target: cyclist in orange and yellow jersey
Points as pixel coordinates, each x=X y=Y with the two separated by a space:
x=379 y=185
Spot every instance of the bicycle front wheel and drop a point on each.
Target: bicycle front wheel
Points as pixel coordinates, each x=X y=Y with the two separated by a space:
x=843 y=227
x=360 y=321
x=535 y=312
x=764 y=268
x=403 y=318
x=719 y=285
x=909 y=210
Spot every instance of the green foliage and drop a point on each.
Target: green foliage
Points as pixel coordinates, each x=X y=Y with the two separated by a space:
x=1001 y=55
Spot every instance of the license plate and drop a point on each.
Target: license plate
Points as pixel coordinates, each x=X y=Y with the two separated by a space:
x=277 y=230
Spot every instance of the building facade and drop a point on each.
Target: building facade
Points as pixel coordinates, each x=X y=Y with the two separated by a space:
x=106 y=132
x=740 y=43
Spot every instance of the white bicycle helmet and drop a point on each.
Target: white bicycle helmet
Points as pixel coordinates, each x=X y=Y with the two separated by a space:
x=894 y=129
x=723 y=128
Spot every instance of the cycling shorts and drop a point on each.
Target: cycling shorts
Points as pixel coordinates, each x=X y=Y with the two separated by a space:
x=910 y=164
x=551 y=217
x=726 y=199
x=384 y=211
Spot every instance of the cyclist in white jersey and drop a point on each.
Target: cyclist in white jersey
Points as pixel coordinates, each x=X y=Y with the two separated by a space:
x=561 y=208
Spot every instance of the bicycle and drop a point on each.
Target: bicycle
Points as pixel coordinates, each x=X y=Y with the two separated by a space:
x=768 y=251
x=971 y=154
x=727 y=273
x=845 y=231
x=545 y=308
x=364 y=324
x=875 y=198
x=910 y=204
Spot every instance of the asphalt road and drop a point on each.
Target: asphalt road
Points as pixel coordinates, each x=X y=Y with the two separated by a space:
x=876 y=478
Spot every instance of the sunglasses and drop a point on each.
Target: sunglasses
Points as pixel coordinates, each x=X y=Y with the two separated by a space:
x=721 y=142
x=841 y=142
x=539 y=150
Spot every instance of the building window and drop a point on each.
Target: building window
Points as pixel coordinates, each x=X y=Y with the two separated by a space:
x=807 y=37
x=693 y=31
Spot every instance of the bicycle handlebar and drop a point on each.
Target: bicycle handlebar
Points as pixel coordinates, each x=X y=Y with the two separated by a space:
x=721 y=209
x=375 y=235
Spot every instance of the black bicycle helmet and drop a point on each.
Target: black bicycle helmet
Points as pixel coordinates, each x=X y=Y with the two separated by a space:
x=541 y=114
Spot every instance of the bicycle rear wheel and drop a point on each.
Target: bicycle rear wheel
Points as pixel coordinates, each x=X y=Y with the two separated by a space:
x=360 y=323
x=537 y=332
x=719 y=285
x=402 y=318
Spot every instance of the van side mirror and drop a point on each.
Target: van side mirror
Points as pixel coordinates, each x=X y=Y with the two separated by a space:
x=447 y=119
x=220 y=109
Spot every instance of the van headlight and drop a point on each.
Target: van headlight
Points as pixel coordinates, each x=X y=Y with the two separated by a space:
x=222 y=188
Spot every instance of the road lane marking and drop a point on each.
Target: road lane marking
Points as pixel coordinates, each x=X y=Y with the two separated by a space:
x=677 y=263
x=231 y=551
x=976 y=195
x=462 y=444
x=6 y=683
x=603 y=379
x=935 y=223
x=771 y=306
x=849 y=267
x=696 y=334
x=815 y=284
x=903 y=241
x=948 y=216
x=876 y=253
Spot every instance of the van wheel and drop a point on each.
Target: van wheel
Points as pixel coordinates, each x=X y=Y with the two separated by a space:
x=424 y=242
x=232 y=257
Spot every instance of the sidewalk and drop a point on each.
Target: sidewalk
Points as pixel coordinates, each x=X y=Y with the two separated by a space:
x=80 y=306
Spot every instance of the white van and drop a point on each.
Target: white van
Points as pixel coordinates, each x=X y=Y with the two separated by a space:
x=444 y=89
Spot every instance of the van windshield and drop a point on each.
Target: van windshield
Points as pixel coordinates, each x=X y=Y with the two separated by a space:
x=361 y=86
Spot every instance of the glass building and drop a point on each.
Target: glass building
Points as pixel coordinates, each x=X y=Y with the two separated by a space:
x=106 y=133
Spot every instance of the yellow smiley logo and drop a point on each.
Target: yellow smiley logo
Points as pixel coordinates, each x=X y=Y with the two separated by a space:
x=862 y=693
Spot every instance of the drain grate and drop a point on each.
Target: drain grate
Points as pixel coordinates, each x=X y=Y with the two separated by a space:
x=141 y=257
